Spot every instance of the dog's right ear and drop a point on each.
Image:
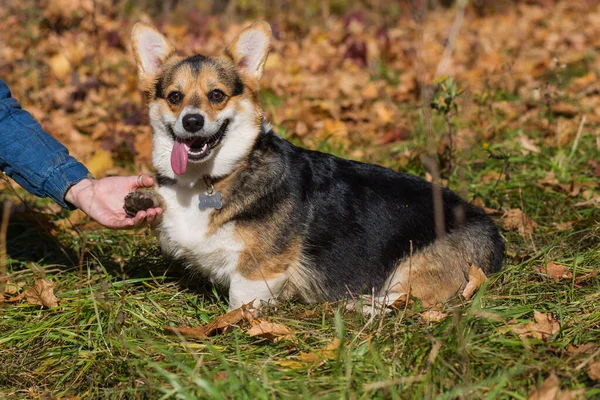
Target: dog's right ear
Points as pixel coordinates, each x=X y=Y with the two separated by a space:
x=150 y=49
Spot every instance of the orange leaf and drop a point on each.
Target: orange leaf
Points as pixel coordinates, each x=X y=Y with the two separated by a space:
x=270 y=330
x=555 y=271
x=476 y=279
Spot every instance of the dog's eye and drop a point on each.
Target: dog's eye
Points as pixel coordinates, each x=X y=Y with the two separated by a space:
x=216 y=96
x=175 y=97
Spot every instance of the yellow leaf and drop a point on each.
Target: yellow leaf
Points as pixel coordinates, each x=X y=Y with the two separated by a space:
x=60 y=66
x=328 y=353
x=100 y=162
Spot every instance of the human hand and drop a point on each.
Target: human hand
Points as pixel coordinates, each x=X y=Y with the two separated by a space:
x=103 y=199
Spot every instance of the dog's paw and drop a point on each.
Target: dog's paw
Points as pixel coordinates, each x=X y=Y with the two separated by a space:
x=141 y=201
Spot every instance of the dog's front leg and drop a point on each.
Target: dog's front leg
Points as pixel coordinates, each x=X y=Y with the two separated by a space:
x=260 y=292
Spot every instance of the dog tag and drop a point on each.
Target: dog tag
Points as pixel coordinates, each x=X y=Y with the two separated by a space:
x=210 y=200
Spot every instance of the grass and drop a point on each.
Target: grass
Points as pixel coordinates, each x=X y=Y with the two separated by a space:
x=106 y=338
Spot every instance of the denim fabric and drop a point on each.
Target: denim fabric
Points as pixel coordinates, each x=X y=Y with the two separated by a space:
x=33 y=158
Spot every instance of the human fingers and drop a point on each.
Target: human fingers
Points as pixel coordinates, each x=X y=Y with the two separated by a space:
x=144 y=180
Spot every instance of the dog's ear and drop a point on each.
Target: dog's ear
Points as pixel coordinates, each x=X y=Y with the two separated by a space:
x=150 y=49
x=250 y=49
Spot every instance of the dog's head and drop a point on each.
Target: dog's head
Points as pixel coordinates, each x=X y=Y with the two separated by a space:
x=203 y=110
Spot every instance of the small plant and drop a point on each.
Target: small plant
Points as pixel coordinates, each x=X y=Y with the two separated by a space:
x=444 y=102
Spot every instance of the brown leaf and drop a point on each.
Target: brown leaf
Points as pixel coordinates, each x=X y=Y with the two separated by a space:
x=41 y=293
x=328 y=353
x=555 y=271
x=564 y=110
x=515 y=219
x=401 y=302
x=479 y=203
x=586 y=348
x=220 y=324
x=548 y=391
x=476 y=279
x=594 y=371
x=544 y=327
x=270 y=330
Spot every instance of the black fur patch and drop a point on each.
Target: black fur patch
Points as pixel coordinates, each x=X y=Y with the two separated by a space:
x=165 y=180
x=357 y=220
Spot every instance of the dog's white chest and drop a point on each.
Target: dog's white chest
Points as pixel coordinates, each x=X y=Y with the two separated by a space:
x=184 y=233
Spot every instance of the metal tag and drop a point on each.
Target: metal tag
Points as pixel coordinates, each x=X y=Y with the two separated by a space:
x=210 y=200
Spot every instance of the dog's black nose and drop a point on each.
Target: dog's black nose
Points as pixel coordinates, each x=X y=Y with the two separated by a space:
x=193 y=122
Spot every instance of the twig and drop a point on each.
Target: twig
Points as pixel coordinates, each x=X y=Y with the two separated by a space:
x=576 y=142
x=451 y=42
x=3 y=233
x=438 y=202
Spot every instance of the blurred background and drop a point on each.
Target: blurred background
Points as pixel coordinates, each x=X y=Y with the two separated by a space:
x=356 y=78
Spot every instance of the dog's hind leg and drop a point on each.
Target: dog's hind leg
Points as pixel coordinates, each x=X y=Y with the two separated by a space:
x=439 y=271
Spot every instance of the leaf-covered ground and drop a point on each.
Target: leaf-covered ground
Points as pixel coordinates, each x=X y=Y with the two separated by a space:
x=357 y=80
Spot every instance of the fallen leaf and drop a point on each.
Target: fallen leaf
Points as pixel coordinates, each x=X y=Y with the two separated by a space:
x=100 y=162
x=548 y=391
x=221 y=324
x=479 y=203
x=270 y=330
x=555 y=271
x=433 y=316
x=594 y=371
x=292 y=364
x=476 y=278
x=528 y=144
x=328 y=353
x=544 y=327
x=401 y=302
x=565 y=110
x=11 y=288
x=41 y=294
x=586 y=348
x=515 y=219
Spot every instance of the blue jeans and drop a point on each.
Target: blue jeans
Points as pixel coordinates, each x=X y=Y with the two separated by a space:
x=32 y=157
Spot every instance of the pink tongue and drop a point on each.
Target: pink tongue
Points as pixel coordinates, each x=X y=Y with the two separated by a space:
x=179 y=158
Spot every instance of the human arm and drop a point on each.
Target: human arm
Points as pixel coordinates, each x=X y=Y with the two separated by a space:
x=43 y=166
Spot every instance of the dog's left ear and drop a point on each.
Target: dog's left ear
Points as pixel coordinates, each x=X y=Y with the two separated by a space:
x=150 y=49
x=250 y=49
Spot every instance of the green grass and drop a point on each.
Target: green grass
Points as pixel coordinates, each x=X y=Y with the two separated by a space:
x=106 y=338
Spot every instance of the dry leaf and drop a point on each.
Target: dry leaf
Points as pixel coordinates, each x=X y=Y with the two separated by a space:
x=476 y=279
x=100 y=162
x=401 y=302
x=219 y=325
x=270 y=330
x=515 y=219
x=594 y=371
x=544 y=327
x=433 y=316
x=41 y=294
x=555 y=271
x=548 y=391
x=586 y=348
x=328 y=353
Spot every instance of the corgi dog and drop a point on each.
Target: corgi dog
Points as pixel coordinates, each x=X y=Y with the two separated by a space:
x=272 y=221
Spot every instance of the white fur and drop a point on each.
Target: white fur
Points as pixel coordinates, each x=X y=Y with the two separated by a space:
x=183 y=229
x=234 y=146
x=243 y=291
x=152 y=48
